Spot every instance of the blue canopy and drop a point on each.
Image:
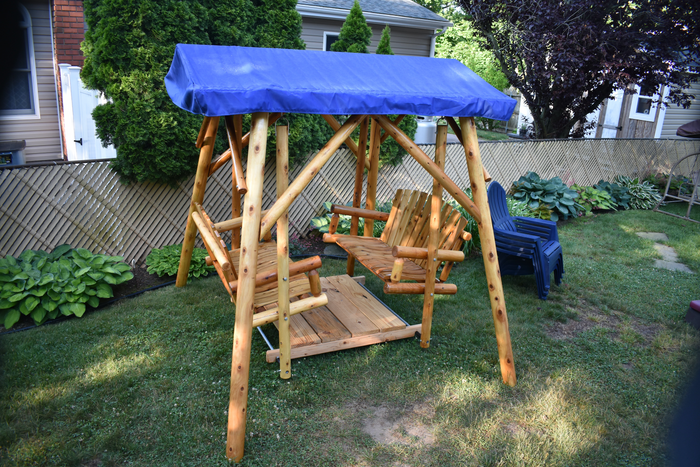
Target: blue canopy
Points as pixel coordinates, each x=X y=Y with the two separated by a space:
x=218 y=80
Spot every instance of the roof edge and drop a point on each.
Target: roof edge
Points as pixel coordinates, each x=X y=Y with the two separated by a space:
x=313 y=11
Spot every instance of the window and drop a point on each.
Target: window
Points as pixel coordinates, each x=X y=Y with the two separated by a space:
x=643 y=105
x=328 y=39
x=19 y=96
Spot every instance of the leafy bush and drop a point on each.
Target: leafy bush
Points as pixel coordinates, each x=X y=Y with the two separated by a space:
x=619 y=194
x=322 y=223
x=166 y=260
x=355 y=34
x=679 y=184
x=592 y=198
x=644 y=195
x=552 y=193
x=42 y=285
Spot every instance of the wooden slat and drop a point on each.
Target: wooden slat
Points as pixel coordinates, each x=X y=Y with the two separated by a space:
x=325 y=324
x=346 y=312
x=351 y=343
x=384 y=319
x=376 y=256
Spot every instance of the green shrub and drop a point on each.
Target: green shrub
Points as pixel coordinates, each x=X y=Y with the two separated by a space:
x=619 y=194
x=42 y=285
x=592 y=198
x=552 y=193
x=643 y=195
x=355 y=34
x=165 y=261
x=128 y=48
x=679 y=184
x=322 y=223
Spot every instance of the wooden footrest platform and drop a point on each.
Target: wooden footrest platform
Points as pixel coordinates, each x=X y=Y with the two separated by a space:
x=352 y=318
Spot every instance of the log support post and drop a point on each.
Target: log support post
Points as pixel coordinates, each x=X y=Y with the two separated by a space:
x=433 y=240
x=372 y=176
x=283 y=256
x=206 y=145
x=488 y=249
x=243 y=330
x=357 y=193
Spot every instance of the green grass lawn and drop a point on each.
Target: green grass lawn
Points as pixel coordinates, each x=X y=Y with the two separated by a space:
x=601 y=366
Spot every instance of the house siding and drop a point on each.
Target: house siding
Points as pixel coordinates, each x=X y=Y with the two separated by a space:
x=41 y=135
x=404 y=41
x=677 y=116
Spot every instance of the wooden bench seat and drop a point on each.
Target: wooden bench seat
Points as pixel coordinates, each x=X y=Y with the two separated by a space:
x=405 y=238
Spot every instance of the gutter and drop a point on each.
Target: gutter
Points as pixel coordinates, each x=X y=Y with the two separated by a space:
x=312 y=11
x=433 y=38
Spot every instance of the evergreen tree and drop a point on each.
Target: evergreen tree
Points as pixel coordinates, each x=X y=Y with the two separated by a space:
x=355 y=35
x=384 y=46
x=128 y=49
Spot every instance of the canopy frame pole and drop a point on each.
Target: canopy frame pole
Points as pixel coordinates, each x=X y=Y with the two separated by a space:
x=200 y=183
x=247 y=270
x=433 y=240
x=395 y=122
x=435 y=171
x=357 y=193
x=307 y=174
x=373 y=175
x=354 y=148
x=458 y=133
x=234 y=130
x=223 y=158
x=488 y=249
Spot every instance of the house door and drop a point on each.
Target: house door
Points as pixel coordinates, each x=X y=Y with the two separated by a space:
x=613 y=110
x=78 y=103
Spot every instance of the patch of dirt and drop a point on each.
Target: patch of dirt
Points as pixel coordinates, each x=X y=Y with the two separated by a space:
x=392 y=425
x=309 y=246
x=591 y=317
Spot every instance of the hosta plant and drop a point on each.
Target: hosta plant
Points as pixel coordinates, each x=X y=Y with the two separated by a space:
x=165 y=261
x=591 y=198
x=619 y=194
x=44 y=285
x=643 y=195
x=553 y=194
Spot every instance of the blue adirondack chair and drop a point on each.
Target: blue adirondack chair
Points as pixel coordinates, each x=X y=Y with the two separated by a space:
x=525 y=245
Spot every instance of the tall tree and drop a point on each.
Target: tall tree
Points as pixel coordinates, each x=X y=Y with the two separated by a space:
x=567 y=57
x=384 y=46
x=355 y=35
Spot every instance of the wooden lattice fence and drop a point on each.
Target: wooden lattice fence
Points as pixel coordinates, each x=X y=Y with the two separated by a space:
x=85 y=204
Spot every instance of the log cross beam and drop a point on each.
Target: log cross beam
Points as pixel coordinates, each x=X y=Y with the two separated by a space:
x=436 y=172
x=223 y=158
x=309 y=172
x=352 y=145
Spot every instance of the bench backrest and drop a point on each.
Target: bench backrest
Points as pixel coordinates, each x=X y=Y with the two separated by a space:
x=409 y=225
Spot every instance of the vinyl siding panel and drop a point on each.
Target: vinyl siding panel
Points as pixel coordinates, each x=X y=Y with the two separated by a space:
x=677 y=116
x=42 y=134
x=404 y=41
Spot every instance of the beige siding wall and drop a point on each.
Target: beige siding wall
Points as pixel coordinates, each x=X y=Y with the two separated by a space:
x=677 y=116
x=404 y=41
x=42 y=135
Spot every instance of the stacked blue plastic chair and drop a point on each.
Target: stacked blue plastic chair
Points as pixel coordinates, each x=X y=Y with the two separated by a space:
x=525 y=245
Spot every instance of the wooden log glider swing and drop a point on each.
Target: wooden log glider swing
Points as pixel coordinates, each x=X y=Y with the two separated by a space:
x=422 y=231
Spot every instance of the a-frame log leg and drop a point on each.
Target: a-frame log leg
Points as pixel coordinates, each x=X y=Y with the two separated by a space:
x=433 y=238
x=234 y=129
x=243 y=329
x=488 y=249
x=200 y=182
x=283 y=256
x=357 y=193
x=372 y=176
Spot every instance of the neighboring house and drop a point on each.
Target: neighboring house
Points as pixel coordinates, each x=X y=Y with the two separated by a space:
x=413 y=27
x=45 y=112
x=637 y=115
x=29 y=115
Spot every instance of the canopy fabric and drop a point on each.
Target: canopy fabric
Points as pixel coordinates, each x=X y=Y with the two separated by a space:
x=218 y=80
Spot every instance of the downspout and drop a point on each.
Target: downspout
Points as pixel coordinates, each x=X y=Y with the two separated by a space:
x=432 y=40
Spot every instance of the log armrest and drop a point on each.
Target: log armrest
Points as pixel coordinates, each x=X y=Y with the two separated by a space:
x=298 y=267
x=359 y=212
x=422 y=253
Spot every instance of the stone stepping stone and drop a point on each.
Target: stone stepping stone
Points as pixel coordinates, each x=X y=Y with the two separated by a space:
x=669 y=255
